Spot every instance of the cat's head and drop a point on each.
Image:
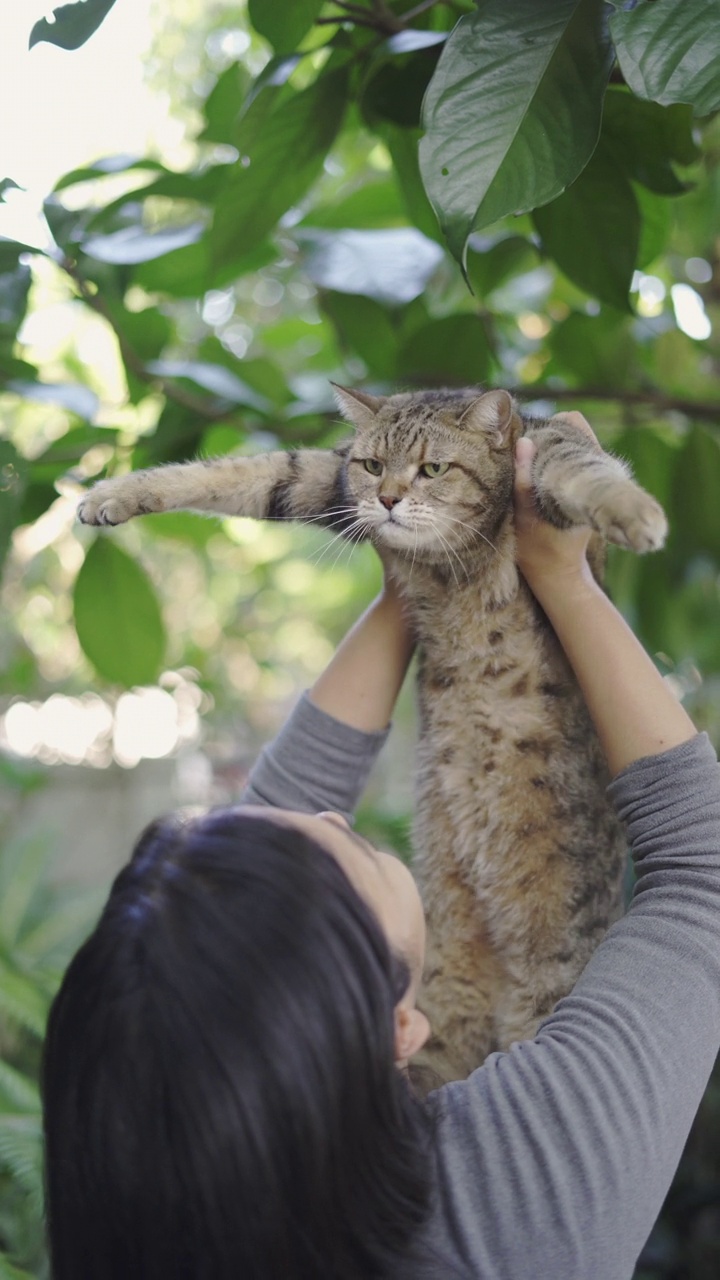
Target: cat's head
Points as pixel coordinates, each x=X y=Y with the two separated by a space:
x=431 y=472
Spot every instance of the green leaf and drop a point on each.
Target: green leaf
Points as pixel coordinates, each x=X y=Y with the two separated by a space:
x=647 y=139
x=513 y=111
x=7 y=184
x=694 y=500
x=403 y=147
x=395 y=90
x=592 y=351
x=490 y=264
x=117 y=616
x=10 y=251
x=21 y=1149
x=391 y=266
x=14 y=289
x=73 y=24
x=13 y=479
x=16 y=1090
x=453 y=350
x=281 y=161
x=284 y=25
x=670 y=52
x=185 y=273
x=21 y=1000
x=656 y=214
x=8 y=1271
x=135 y=244
x=77 y=399
x=108 y=165
x=592 y=231
x=374 y=204
x=211 y=377
x=223 y=105
x=365 y=329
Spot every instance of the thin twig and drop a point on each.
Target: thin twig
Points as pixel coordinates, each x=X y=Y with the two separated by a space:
x=419 y=8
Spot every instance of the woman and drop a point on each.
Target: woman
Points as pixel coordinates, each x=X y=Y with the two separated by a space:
x=222 y=1092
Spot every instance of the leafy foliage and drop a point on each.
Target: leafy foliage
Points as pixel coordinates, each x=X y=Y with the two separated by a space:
x=72 y=24
x=564 y=153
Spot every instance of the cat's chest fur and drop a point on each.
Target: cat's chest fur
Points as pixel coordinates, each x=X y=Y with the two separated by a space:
x=517 y=848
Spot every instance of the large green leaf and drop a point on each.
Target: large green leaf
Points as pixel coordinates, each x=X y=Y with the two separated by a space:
x=648 y=139
x=117 y=616
x=592 y=351
x=453 y=349
x=592 y=231
x=696 y=494
x=403 y=147
x=396 y=86
x=73 y=24
x=365 y=329
x=284 y=25
x=224 y=104
x=391 y=266
x=374 y=204
x=670 y=51
x=513 y=111
x=135 y=244
x=283 y=156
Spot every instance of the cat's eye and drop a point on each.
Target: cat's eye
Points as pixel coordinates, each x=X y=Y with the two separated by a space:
x=434 y=469
x=373 y=466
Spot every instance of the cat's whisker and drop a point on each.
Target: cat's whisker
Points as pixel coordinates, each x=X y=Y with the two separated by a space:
x=358 y=525
x=319 y=519
x=452 y=551
x=446 y=544
x=352 y=542
x=473 y=528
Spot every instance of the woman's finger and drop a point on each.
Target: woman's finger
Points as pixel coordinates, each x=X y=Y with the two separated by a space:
x=524 y=453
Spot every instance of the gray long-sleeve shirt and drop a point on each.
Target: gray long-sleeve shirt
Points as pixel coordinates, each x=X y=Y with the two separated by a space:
x=554 y=1158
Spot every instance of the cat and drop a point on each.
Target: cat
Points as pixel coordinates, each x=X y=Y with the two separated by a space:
x=518 y=852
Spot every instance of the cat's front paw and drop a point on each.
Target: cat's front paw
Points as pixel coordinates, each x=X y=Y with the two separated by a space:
x=633 y=519
x=113 y=502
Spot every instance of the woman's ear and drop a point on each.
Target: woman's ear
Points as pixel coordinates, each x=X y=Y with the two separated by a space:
x=411 y=1031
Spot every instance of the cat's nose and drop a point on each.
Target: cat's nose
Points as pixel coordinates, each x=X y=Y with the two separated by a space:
x=389 y=502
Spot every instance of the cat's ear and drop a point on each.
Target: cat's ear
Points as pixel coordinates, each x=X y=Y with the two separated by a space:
x=357 y=406
x=491 y=414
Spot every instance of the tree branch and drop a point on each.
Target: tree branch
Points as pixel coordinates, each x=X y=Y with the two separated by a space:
x=169 y=388
x=380 y=17
x=700 y=411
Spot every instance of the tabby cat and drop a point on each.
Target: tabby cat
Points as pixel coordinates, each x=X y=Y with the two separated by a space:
x=519 y=854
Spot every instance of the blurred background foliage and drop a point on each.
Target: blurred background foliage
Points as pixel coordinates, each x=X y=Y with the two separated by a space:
x=547 y=222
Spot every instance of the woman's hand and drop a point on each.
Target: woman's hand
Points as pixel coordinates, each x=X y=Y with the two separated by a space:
x=542 y=551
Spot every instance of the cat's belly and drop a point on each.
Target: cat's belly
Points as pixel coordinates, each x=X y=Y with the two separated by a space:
x=511 y=814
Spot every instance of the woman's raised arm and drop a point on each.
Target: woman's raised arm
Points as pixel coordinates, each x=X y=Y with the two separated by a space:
x=322 y=757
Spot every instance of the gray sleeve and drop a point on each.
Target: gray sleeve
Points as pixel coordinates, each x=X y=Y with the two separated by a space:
x=555 y=1157
x=316 y=762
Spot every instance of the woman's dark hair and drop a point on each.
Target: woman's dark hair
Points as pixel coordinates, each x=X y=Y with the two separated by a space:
x=221 y=1099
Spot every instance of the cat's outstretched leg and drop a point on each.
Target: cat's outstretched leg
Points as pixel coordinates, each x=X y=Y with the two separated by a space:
x=297 y=485
x=576 y=482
